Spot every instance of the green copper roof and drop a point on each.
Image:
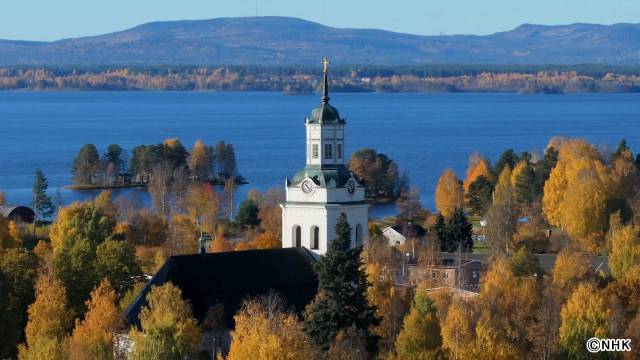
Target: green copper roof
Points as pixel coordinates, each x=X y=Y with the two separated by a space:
x=325 y=114
x=323 y=176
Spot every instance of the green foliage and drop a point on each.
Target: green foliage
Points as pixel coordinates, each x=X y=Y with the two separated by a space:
x=543 y=169
x=18 y=272
x=420 y=337
x=584 y=315
x=82 y=221
x=116 y=261
x=479 y=195
x=86 y=165
x=42 y=202
x=247 y=216
x=225 y=157
x=524 y=184
x=525 y=263
x=130 y=296
x=460 y=230
x=74 y=266
x=507 y=158
x=114 y=155
x=169 y=330
x=457 y=231
x=342 y=286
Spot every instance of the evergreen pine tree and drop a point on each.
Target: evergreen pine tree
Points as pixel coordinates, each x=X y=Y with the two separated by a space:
x=41 y=201
x=524 y=186
x=460 y=231
x=441 y=230
x=341 y=300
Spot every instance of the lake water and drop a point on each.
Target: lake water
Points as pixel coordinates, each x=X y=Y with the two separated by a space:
x=424 y=133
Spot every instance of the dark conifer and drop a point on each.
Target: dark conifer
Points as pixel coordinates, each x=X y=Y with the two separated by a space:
x=44 y=208
x=460 y=231
x=342 y=286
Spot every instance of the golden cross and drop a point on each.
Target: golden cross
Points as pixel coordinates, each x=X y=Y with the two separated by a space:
x=326 y=63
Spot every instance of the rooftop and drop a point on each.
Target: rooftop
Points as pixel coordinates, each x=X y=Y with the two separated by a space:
x=231 y=277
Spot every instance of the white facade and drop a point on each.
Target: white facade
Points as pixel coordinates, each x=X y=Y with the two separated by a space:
x=394 y=238
x=325 y=188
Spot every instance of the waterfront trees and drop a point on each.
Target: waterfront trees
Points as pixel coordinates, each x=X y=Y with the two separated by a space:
x=86 y=165
x=378 y=173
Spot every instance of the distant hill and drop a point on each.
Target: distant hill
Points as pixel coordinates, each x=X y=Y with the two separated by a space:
x=291 y=41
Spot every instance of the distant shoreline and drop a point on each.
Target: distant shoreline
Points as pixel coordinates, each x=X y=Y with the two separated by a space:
x=534 y=79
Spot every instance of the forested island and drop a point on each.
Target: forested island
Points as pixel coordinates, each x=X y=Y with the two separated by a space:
x=300 y=79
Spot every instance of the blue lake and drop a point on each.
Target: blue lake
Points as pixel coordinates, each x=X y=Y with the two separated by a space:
x=424 y=133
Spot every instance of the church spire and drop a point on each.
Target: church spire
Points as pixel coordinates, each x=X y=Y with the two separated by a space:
x=325 y=87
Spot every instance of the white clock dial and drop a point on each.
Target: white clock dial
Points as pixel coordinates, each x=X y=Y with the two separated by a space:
x=307 y=186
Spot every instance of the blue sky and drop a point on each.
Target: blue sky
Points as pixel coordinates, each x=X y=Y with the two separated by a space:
x=55 y=19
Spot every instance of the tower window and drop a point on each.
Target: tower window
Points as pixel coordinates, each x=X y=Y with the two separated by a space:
x=297 y=236
x=327 y=151
x=339 y=151
x=314 y=151
x=315 y=238
x=358 y=235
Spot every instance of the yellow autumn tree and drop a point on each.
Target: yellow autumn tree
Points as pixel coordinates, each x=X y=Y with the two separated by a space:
x=93 y=337
x=625 y=251
x=201 y=161
x=458 y=330
x=81 y=221
x=169 y=330
x=9 y=234
x=183 y=235
x=583 y=210
x=585 y=315
x=449 y=193
x=267 y=333
x=203 y=205
x=505 y=328
x=220 y=243
x=478 y=166
x=570 y=151
x=575 y=156
x=49 y=319
x=420 y=337
x=570 y=269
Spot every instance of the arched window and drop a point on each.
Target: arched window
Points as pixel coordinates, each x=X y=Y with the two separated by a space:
x=358 y=235
x=297 y=236
x=315 y=238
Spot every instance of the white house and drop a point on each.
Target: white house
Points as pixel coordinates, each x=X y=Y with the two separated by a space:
x=325 y=188
x=398 y=234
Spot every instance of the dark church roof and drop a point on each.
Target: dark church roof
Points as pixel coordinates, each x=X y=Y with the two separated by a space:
x=322 y=176
x=231 y=277
x=17 y=212
x=325 y=114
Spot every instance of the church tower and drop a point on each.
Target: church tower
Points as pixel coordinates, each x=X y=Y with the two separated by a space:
x=325 y=188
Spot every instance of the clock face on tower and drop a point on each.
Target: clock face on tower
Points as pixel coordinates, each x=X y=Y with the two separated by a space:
x=307 y=186
x=351 y=186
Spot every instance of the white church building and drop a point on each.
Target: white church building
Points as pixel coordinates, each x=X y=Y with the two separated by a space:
x=325 y=188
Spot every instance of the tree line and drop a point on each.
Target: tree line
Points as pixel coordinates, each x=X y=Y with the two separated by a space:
x=431 y=78
x=215 y=164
